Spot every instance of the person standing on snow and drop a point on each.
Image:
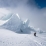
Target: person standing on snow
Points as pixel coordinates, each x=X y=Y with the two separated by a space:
x=35 y=34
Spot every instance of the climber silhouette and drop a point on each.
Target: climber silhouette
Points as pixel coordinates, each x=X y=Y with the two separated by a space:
x=35 y=34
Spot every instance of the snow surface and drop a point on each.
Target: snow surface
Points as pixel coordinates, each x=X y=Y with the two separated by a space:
x=9 y=38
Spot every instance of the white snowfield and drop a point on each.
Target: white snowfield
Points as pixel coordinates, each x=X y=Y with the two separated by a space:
x=9 y=38
x=15 y=32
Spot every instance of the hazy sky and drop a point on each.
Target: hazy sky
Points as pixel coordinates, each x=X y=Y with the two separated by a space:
x=34 y=10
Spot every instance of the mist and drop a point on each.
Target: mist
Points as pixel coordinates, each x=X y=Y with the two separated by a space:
x=27 y=9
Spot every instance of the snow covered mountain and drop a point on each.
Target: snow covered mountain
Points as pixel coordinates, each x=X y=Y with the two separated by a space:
x=11 y=24
x=16 y=24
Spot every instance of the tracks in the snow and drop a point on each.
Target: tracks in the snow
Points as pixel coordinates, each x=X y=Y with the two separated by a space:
x=37 y=40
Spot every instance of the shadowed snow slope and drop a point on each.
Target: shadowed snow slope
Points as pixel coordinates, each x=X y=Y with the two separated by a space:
x=16 y=24
x=9 y=38
x=13 y=23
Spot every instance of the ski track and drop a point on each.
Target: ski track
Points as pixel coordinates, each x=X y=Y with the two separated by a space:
x=35 y=41
x=38 y=40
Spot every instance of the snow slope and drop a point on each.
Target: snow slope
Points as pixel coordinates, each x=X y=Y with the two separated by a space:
x=9 y=38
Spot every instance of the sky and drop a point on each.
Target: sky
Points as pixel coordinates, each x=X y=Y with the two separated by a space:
x=34 y=10
x=41 y=3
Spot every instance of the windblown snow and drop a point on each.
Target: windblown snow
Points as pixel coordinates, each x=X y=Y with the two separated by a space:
x=15 y=32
